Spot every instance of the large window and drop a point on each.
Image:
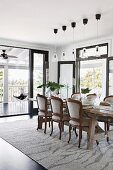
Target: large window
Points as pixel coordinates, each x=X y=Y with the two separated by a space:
x=91 y=69
x=111 y=77
x=1 y=84
x=13 y=73
x=17 y=83
x=93 y=76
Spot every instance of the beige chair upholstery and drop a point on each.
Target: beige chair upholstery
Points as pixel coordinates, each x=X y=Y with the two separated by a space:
x=76 y=118
x=91 y=98
x=76 y=96
x=44 y=115
x=57 y=114
x=109 y=99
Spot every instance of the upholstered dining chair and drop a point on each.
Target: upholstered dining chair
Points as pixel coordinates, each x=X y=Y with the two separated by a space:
x=91 y=98
x=76 y=96
x=108 y=100
x=58 y=115
x=44 y=114
x=76 y=118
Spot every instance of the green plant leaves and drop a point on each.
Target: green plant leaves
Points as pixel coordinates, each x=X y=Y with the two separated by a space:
x=52 y=85
x=84 y=91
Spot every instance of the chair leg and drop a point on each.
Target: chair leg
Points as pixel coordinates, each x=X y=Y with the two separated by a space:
x=38 y=123
x=69 y=133
x=107 y=137
x=49 y=123
x=76 y=132
x=51 y=127
x=45 y=125
x=97 y=142
x=60 y=128
x=80 y=136
x=105 y=127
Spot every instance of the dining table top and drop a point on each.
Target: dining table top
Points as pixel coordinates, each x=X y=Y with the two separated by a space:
x=104 y=111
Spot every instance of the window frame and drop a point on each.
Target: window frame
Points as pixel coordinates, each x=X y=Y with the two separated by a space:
x=79 y=59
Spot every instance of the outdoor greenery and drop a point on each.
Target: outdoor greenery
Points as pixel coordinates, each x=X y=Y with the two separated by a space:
x=92 y=79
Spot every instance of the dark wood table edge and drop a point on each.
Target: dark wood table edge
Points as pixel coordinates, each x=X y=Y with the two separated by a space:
x=22 y=152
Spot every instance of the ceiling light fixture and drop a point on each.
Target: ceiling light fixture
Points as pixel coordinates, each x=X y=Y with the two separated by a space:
x=64 y=29
x=73 y=25
x=97 y=16
x=55 y=57
x=84 y=52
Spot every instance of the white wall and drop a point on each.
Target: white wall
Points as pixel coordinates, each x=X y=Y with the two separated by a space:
x=69 y=56
x=52 y=67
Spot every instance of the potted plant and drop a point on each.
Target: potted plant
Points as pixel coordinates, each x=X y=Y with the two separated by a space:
x=52 y=86
x=85 y=90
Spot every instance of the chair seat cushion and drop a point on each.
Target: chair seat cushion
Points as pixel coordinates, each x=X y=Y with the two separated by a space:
x=43 y=113
x=56 y=118
x=84 y=123
x=66 y=117
x=49 y=113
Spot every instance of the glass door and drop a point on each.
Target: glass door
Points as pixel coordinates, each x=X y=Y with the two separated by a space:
x=38 y=66
x=1 y=84
x=37 y=74
x=66 y=77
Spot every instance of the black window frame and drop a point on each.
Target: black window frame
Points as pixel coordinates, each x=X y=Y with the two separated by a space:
x=79 y=59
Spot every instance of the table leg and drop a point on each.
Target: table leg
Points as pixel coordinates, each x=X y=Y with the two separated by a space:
x=91 y=133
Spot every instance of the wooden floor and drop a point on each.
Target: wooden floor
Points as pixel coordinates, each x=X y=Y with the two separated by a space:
x=12 y=159
x=14 y=108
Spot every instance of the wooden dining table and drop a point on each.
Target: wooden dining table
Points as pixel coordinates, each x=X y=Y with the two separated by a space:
x=96 y=113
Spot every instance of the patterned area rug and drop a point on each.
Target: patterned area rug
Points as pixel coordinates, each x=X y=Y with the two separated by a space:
x=56 y=154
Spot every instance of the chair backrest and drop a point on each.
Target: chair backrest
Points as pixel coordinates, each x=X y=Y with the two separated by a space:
x=91 y=96
x=76 y=96
x=57 y=106
x=109 y=99
x=75 y=109
x=42 y=102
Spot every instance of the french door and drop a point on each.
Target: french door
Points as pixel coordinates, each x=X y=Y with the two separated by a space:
x=1 y=84
x=38 y=66
x=66 y=77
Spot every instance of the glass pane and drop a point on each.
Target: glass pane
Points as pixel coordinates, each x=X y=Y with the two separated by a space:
x=37 y=75
x=93 y=52
x=1 y=84
x=93 y=76
x=66 y=78
x=17 y=83
x=111 y=77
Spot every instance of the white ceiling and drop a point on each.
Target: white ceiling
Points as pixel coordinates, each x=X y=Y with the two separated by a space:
x=34 y=20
